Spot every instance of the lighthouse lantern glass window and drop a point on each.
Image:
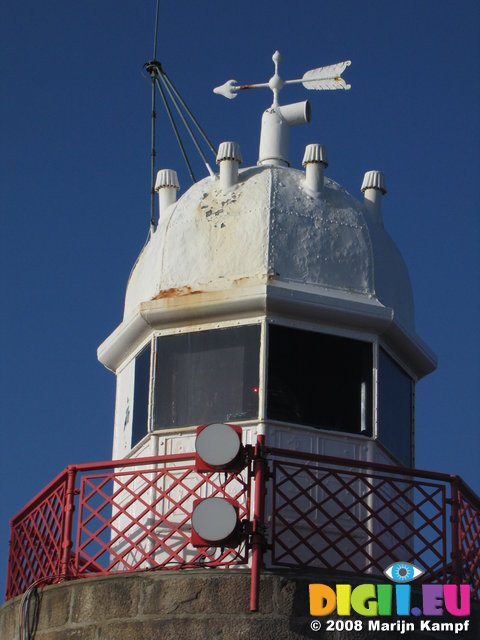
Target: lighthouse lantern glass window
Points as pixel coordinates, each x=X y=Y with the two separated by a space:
x=140 y=395
x=395 y=410
x=207 y=376
x=319 y=380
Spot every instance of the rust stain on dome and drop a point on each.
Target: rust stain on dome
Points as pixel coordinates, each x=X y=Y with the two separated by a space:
x=175 y=292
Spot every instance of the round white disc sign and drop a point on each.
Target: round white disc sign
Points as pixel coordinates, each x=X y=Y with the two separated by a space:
x=214 y=519
x=218 y=445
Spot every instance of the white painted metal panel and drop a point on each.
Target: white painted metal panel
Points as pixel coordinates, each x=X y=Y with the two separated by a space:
x=124 y=411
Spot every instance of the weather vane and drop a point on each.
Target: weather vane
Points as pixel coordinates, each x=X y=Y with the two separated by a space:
x=278 y=120
x=322 y=78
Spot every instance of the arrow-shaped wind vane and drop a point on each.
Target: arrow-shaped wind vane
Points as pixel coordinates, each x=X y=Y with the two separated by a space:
x=322 y=78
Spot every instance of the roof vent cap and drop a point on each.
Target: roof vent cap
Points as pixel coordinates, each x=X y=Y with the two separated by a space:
x=374 y=180
x=315 y=153
x=167 y=178
x=229 y=157
x=374 y=188
x=275 y=132
x=167 y=186
x=229 y=151
x=315 y=161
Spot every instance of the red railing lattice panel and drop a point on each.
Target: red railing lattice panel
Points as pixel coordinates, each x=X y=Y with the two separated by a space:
x=36 y=539
x=469 y=515
x=141 y=519
x=359 y=521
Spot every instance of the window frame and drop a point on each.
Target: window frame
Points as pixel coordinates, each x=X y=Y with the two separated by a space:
x=335 y=332
x=211 y=326
x=381 y=346
x=265 y=321
x=147 y=345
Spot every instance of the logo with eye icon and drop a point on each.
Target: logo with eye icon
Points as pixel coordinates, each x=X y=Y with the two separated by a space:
x=402 y=572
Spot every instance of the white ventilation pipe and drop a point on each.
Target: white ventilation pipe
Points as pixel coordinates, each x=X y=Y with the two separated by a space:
x=167 y=186
x=373 y=187
x=274 y=136
x=228 y=159
x=315 y=162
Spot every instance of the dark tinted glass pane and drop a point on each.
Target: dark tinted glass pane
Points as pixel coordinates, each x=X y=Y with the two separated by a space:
x=207 y=376
x=140 y=395
x=394 y=408
x=319 y=380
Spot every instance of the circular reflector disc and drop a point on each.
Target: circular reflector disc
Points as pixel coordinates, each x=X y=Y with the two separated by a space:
x=217 y=445
x=214 y=519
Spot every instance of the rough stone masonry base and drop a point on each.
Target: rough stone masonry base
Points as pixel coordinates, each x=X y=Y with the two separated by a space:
x=194 y=605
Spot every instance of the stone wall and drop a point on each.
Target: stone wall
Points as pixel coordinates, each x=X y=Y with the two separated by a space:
x=194 y=605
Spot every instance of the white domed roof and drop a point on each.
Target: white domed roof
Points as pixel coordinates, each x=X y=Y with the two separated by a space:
x=271 y=228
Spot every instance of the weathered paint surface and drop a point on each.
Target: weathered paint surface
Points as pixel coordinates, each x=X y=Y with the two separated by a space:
x=318 y=240
x=270 y=228
x=207 y=240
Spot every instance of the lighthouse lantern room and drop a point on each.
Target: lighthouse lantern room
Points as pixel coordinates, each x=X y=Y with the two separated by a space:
x=271 y=298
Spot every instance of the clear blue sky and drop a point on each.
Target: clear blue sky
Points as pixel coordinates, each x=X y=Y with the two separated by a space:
x=74 y=194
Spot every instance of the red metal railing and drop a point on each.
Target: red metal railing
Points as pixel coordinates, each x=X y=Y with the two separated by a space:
x=36 y=538
x=469 y=536
x=345 y=516
x=297 y=509
x=126 y=515
x=140 y=519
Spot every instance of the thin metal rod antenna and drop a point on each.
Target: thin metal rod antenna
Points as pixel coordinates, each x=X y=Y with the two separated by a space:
x=153 y=70
x=152 y=170
x=156 y=32
x=187 y=126
x=185 y=106
x=174 y=127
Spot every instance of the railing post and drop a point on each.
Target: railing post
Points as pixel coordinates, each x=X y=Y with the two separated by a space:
x=67 y=542
x=9 y=588
x=457 y=568
x=260 y=468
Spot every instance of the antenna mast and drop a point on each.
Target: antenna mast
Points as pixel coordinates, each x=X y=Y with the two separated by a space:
x=152 y=70
x=166 y=88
